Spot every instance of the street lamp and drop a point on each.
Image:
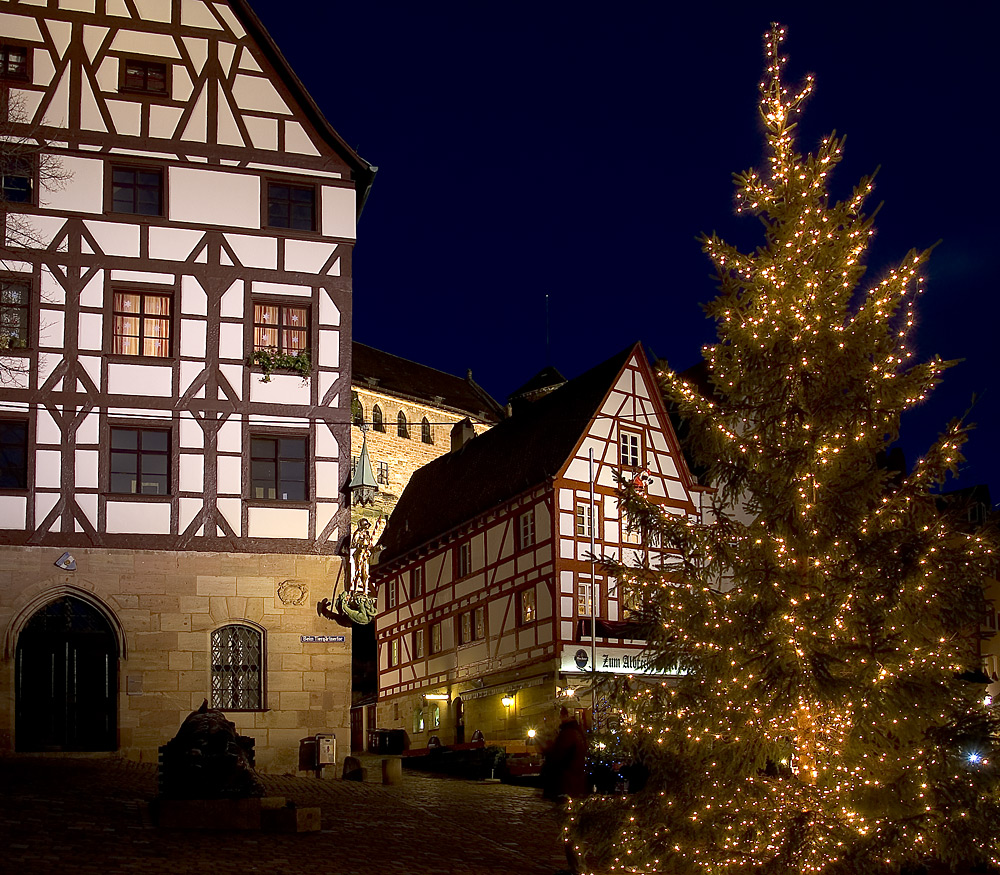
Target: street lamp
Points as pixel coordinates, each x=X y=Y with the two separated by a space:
x=363 y=486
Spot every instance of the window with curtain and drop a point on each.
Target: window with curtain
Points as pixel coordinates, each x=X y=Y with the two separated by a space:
x=281 y=327
x=141 y=324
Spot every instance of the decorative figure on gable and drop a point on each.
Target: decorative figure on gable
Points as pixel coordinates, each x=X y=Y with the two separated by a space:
x=642 y=481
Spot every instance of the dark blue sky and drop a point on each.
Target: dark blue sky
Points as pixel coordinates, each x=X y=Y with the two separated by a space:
x=578 y=149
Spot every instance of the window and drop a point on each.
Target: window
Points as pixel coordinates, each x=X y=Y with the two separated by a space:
x=377 y=422
x=418 y=719
x=390 y=594
x=382 y=473
x=417 y=582
x=394 y=652
x=418 y=644
x=631 y=533
x=137 y=190
x=14 y=298
x=18 y=180
x=433 y=716
x=425 y=431
x=145 y=76
x=13 y=62
x=237 y=669
x=584 y=520
x=354 y=464
x=630 y=444
x=141 y=324
x=437 y=643
x=472 y=625
x=291 y=206
x=357 y=410
x=140 y=461
x=281 y=327
x=630 y=598
x=278 y=468
x=13 y=454
x=464 y=559
x=584 y=594
x=402 y=430
x=526 y=606
x=526 y=529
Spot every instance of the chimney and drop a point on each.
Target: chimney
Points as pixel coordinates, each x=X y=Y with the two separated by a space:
x=461 y=433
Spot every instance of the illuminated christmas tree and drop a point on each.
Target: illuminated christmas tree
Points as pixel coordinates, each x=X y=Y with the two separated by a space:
x=821 y=624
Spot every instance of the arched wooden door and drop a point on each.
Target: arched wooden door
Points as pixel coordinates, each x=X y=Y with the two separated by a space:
x=66 y=685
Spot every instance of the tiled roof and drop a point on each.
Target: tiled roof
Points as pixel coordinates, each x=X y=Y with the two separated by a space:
x=512 y=457
x=384 y=372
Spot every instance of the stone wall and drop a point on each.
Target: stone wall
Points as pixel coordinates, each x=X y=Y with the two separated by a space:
x=402 y=455
x=163 y=607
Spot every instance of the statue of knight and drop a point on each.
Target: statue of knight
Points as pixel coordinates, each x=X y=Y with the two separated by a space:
x=359 y=604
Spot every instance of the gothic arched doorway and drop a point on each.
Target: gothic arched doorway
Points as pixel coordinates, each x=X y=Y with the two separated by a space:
x=66 y=684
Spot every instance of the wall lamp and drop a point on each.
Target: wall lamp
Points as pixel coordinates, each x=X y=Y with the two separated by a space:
x=507 y=701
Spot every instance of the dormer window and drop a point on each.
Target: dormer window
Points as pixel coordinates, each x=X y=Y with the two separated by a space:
x=145 y=77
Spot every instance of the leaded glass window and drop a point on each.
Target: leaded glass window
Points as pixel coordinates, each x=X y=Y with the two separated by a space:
x=237 y=669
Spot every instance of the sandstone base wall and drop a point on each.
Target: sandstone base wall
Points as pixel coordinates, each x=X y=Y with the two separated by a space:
x=165 y=606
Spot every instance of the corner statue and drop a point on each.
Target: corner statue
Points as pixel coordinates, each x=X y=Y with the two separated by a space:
x=358 y=604
x=361 y=551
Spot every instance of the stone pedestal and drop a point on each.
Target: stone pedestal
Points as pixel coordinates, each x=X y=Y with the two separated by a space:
x=392 y=771
x=269 y=813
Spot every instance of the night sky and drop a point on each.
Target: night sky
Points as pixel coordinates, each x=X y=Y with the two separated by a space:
x=576 y=150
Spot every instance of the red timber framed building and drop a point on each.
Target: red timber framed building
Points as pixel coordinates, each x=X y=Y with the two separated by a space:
x=202 y=238
x=485 y=581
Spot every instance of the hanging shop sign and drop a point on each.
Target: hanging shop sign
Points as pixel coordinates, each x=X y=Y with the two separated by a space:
x=321 y=639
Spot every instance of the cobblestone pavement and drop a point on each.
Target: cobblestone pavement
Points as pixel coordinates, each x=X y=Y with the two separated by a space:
x=91 y=815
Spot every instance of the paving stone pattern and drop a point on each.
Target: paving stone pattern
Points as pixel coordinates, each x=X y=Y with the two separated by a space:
x=91 y=815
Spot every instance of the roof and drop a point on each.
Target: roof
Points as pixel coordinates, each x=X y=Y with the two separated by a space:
x=384 y=372
x=363 y=172
x=546 y=379
x=518 y=454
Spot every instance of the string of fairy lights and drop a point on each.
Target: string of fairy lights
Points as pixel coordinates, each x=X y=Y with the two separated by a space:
x=819 y=723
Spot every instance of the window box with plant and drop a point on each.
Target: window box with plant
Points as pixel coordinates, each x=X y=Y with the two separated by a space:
x=271 y=360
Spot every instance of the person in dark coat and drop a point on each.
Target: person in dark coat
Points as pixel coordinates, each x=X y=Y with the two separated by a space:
x=564 y=775
x=564 y=770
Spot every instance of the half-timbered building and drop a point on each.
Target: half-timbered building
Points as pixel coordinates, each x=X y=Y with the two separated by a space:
x=491 y=608
x=402 y=414
x=174 y=418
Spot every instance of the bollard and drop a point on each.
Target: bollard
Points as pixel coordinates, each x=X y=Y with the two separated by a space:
x=392 y=771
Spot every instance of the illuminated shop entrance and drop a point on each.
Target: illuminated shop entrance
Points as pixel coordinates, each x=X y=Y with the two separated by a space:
x=66 y=680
